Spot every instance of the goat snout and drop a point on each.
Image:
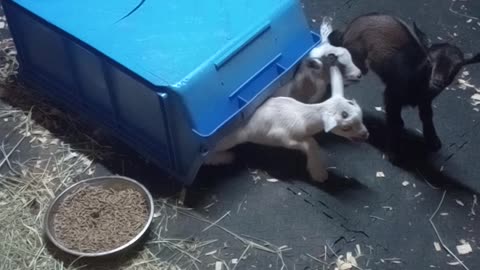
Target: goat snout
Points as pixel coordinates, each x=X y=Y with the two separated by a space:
x=361 y=137
x=437 y=81
x=354 y=77
x=436 y=84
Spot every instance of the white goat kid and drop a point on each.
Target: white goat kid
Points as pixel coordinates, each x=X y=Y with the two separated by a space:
x=310 y=81
x=351 y=72
x=285 y=122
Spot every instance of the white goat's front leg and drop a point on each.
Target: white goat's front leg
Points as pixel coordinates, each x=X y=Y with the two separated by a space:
x=315 y=162
x=219 y=158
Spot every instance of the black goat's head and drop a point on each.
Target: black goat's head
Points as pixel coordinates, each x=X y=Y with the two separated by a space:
x=445 y=61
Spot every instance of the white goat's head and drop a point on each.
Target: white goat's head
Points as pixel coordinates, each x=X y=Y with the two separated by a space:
x=344 y=59
x=345 y=119
x=343 y=116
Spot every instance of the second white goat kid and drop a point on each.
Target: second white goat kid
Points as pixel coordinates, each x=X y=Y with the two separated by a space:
x=310 y=80
x=285 y=122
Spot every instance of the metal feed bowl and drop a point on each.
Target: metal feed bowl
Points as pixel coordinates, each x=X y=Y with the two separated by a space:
x=114 y=182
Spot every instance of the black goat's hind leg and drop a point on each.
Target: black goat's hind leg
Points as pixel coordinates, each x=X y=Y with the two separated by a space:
x=394 y=127
x=429 y=133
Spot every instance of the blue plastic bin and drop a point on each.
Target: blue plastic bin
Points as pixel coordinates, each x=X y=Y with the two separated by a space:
x=167 y=77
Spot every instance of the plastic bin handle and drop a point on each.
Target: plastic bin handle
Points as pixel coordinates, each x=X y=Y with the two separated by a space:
x=259 y=81
x=232 y=49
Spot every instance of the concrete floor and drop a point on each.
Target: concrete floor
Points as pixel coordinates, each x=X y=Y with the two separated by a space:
x=386 y=217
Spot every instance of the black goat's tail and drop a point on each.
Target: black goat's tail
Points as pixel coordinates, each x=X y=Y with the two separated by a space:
x=336 y=38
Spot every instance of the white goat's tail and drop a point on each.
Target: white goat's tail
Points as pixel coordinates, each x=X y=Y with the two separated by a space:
x=326 y=28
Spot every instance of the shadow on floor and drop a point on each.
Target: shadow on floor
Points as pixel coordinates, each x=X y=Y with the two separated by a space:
x=414 y=156
x=115 y=156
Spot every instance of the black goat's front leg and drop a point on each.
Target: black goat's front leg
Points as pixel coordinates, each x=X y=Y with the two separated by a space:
x=395 y=126
x=429 y=133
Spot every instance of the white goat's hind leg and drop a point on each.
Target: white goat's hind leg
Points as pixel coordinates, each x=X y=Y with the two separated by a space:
x=221 y=155
x=315 y=163
x=219 y=158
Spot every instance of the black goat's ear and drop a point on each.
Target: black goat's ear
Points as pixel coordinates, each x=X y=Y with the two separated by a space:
x=421 y=35
x=336 y=38
x=473 y=60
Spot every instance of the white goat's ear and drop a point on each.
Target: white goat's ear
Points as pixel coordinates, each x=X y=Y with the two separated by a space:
x=329 y=122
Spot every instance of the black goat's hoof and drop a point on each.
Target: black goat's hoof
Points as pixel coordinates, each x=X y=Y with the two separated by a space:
x=434 y=144
x=394 y=158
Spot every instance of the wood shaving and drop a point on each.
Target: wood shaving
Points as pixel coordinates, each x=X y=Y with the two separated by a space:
x=450 y=253
x=211 y=253
x=347 y=264
x=474 y=203
x=464 y=249
x=351 y=259
x=348 y=261
x=437 y=246
x=69 y=156
x=272 y=180
x=90 y=171
x=380 y=174
x=358 y=250
x=476 y=97
x=405 y=183
x=465 y=84
x=256 y=178
x=459 y=202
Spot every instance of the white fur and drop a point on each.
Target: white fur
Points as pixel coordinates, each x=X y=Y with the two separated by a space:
x=311 y=79
x=309 y=84
x=285 y=122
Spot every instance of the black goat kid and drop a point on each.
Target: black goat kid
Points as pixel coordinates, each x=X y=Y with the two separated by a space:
x=413 y=72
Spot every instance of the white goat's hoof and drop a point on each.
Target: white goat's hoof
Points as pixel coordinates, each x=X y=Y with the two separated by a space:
x=220 y=158
x=318 y=174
